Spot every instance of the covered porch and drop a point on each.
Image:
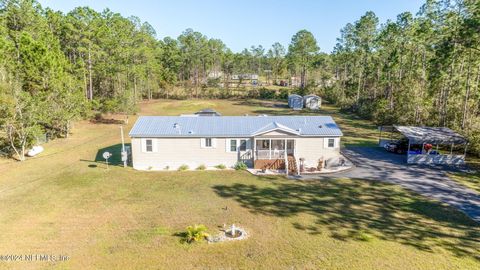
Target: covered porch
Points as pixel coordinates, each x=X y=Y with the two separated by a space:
x=274 y=154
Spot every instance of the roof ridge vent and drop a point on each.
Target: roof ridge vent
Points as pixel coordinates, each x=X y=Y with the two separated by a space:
x=176 y=126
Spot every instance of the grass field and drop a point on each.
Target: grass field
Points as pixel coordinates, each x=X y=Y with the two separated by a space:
x=64 y=202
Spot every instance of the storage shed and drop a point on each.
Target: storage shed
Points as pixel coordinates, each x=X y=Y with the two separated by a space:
x=295 y=102
x=312 y=102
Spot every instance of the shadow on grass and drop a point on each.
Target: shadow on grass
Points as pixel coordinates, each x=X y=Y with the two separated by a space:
x=115 y=150
x=182 y=237
x=358 y=210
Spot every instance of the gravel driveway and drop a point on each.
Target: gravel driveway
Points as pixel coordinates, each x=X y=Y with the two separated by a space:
x=374 y=163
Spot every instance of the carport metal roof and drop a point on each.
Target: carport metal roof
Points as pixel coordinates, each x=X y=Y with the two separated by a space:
x=433 y=135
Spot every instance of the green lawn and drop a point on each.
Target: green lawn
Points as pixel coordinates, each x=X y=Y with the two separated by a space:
x=64 y=202
x=469 y=180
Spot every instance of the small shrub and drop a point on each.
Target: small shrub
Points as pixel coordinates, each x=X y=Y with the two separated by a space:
x=167 y=168
x=240 y=166
x=267 y=93
x=195 y=233
x=98 y=116
x=201 y=167
x=283 y=94
x=221 y=167
x=184 y=167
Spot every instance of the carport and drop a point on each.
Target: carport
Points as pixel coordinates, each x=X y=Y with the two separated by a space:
x=433 y=136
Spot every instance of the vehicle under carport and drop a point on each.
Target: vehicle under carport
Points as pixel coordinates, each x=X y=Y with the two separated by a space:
x=451 y=147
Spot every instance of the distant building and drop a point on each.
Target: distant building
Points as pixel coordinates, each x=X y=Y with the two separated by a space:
x=215 y=74
x=244 y=77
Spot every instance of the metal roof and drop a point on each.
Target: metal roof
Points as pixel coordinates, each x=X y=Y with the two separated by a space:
x=433 y=135
x=232 y=126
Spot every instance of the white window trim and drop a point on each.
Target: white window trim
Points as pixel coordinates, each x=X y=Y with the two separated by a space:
x=203 y=143
x=335 y=143
x=154 y=145
x=228 y=144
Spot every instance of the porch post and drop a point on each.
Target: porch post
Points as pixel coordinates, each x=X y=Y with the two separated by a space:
x=269 y=148
x=254 y=149
x=286 y=157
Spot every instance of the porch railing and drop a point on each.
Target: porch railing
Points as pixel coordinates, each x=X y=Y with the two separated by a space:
x=270 y=154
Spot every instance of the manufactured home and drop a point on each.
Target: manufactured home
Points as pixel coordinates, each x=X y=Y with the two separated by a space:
x=278 y=142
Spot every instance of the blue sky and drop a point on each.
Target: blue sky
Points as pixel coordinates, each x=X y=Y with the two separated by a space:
x=241 y=24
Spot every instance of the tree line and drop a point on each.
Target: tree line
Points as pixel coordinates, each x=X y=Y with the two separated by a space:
x=56 y=67
x=421 y=69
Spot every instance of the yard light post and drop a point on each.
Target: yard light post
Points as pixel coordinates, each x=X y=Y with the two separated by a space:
x=123 y=154
x=106 y=156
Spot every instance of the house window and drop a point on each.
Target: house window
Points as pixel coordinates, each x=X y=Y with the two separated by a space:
x=149 y=145
x=233 y=145
x=331 y=143
x=243 y=145
x=208 y=142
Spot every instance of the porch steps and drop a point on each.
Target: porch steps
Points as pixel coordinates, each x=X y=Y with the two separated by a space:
x=292 y=165
x=277 y=164
x=270 y=164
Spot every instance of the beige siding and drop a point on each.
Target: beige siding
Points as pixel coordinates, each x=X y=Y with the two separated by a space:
x=312 y=149
x=174 y=152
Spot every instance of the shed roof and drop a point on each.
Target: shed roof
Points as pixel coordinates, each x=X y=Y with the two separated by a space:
x=233 y=126
x=433 y=135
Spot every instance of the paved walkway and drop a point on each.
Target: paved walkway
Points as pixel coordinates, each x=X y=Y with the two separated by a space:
x=374 y=163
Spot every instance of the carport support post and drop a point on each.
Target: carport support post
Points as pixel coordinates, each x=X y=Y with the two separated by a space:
x=408 y=150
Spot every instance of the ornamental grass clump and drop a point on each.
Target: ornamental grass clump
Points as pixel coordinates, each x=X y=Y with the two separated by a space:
x=195 y=233
x=184 y=167
x=221 y=167
x=240 y=166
